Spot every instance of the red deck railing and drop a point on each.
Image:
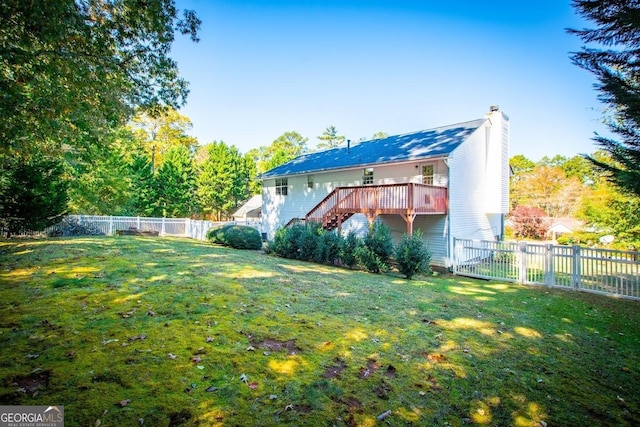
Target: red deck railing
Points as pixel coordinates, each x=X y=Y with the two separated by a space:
x=373 y=200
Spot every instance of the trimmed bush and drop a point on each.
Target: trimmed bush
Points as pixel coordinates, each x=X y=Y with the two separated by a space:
x=412 y=255
x=217 y=234
x=285 y=241
x=307 y=242
x=376 y=253
x=348 y=249
x=328 y=247
x=236 y=236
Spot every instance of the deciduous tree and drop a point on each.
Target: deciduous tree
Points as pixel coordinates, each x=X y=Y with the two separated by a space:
x=286 y=147
x=73 y=69
x=157 y=133
x=529 y=222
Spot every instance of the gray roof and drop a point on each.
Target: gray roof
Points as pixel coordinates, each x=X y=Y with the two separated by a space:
x=424 y=144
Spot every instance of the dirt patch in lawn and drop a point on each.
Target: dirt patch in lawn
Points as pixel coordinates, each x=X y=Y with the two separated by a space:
x=336 y=369
x=32 y=383
x=271 y=344
x=370 y=369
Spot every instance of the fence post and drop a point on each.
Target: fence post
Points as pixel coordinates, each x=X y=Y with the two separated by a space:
x=162 y=227
x=522 y=253
x=187 y=227
x=138 y=223
x=577 y=268
x=110 y=225
x=549 y=272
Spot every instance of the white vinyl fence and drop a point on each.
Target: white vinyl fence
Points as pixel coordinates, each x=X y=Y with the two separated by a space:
x=597 y=270
x=181 y=227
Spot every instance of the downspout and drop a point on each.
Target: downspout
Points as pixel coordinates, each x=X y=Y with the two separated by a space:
x=449 y=252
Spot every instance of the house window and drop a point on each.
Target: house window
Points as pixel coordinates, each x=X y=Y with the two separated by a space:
x=309 y=181
x=367 y=176
x=282 y=186
x=427 y=174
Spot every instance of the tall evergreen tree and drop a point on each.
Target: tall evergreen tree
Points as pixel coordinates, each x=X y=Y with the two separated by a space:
x=223 y=181
x=174 y=185
x=33 y=193
x=142 y=185
x=330 y=138
x=615 y=62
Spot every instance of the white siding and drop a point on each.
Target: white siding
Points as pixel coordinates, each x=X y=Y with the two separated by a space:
x=434 y=233
x=470 y=188
x=496 y=162
x=278 y=210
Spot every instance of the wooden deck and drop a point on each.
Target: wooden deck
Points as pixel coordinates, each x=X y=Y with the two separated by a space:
x=407 y=200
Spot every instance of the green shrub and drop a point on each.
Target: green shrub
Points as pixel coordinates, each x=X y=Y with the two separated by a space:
x=308 y=240
x=579 y=238
x=328 y=247
x=348 y=249
x=285 y=241
x=379 y=249
x=412 y=255
x=216 y=234
x=236 y=236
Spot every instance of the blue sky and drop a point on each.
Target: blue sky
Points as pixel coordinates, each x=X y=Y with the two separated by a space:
x=263 y=68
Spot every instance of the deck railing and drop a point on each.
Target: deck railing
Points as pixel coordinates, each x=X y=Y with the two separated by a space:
x=406 y=198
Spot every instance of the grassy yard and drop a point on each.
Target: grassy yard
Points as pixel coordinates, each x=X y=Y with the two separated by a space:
x=127 y=331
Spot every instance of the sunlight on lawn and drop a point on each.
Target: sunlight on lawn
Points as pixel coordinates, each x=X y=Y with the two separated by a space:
x=527 y=332
x=284 y=367
x=467 y=290
x=356 y=335
x=173 y=325
x=485 y=328
x=314 y=268
x=127 y=298
x=73 y=271
x=19 y=273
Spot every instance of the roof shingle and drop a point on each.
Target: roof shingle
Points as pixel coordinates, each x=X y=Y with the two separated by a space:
x=424 y=144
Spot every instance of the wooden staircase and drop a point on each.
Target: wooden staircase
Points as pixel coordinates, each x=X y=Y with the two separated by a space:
x=406 y=199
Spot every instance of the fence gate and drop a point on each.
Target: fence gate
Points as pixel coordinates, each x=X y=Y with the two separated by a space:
x=597 y=270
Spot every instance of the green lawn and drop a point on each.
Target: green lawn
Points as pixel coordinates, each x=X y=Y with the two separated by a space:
x=125 y=331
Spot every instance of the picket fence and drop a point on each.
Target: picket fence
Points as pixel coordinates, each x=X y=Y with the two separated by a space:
x=597 y=270
x=179 y=227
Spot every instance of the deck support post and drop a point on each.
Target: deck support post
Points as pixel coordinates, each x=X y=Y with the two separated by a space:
x=409 y=217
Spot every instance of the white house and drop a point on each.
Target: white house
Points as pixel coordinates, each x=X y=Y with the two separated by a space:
x=450 y=181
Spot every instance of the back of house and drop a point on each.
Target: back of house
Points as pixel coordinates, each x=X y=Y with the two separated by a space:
x=450 y=181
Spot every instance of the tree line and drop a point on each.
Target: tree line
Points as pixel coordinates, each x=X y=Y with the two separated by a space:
x=89 y=98
x=560 y=187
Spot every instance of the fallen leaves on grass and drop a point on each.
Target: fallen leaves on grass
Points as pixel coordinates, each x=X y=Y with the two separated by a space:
x=124 y=402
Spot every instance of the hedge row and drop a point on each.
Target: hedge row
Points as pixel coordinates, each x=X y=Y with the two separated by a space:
x=236 y=236
x=374 y=252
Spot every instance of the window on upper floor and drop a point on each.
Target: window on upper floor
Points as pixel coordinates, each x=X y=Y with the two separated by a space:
x=427 y=174
x=367 y=176
x=309 y=181
x=282 y=186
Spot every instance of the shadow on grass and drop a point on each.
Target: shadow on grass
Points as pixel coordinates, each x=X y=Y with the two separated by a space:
x=192 y=334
